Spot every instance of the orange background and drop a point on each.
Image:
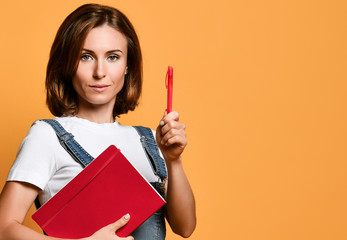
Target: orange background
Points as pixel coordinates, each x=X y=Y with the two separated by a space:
x=261 y=86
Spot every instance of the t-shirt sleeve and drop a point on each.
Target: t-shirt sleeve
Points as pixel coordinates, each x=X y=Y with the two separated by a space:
x=35 y=161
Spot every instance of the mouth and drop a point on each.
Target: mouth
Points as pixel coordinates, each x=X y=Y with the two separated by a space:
x=99 y=87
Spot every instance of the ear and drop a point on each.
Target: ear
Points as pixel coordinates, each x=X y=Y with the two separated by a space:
x=126 y=70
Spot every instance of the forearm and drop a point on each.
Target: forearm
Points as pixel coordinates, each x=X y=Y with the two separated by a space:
x=171 y=139
x=180 y=200
x=17 y=231
x=15 y=201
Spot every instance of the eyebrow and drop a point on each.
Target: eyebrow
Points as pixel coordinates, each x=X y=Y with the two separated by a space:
x=110 y=51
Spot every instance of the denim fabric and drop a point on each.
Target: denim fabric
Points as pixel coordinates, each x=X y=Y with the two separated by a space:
x=150 y=145
x=68 y=142
x=154 y=227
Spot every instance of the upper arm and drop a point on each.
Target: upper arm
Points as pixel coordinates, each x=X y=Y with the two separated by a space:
x=15 y=201
x=35 y=161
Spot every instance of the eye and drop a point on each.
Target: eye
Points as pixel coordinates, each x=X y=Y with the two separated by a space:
x=86 y=57
x=112 y=58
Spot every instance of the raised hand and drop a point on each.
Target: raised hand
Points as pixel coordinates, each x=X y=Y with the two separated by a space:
x=171 y=136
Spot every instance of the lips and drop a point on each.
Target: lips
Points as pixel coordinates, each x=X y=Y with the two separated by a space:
x=99 y=87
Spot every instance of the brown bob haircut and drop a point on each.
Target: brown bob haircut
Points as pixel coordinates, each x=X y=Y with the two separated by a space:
x=65 y=54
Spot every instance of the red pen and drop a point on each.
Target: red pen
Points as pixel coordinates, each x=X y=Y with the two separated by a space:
x=168 y=83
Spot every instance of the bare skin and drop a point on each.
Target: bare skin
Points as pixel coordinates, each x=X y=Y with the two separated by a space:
x=99 y=77
x=15 y=201
x=171 y=139
x=17 y=197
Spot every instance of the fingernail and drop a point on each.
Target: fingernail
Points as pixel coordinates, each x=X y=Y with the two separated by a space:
x=161 y=123
x=127 y=216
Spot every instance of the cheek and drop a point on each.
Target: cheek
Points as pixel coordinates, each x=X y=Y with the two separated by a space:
x=120 y=83
x=79 y=78
x=75 y=82
x=117 y=77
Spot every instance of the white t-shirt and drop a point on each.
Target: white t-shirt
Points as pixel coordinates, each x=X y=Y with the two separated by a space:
x=43 y=162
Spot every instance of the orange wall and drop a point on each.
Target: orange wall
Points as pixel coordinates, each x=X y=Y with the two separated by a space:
x=261 y=86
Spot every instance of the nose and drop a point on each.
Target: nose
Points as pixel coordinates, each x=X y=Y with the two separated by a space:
x=99 y=70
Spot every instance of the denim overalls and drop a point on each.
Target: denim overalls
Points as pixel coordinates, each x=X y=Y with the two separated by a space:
x=154 y=227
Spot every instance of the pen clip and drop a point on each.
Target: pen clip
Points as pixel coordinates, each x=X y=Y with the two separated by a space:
x=168 y=76
x=168 y=84
x=167 y=79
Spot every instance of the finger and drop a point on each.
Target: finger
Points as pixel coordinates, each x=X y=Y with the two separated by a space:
x=168 y=122
x=174 y=132
x=170 y=116
x=177 y=141
x=165 y=113
x=174 y=136
x=173 y=125
x=119 y=223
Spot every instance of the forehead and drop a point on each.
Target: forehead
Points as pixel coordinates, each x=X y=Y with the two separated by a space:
x=105 y=38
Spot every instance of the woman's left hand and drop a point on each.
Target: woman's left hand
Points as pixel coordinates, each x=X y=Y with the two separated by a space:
x=171 y=139
x=171 y=136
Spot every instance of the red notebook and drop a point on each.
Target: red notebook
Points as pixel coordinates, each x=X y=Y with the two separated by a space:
x=108 y=188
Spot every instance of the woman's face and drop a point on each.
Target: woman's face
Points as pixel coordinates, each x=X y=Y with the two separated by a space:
x=101 y=69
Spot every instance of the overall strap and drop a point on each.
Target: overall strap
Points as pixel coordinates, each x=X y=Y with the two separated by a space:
x=151 y=148
x=76 y=151
x=68 y=142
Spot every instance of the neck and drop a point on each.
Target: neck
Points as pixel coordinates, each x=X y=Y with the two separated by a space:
x=95 y=117
x=96 y=113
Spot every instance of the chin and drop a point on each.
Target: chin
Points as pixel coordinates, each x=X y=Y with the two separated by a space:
x=100 y=101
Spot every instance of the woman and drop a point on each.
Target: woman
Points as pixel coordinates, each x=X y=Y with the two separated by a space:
x=94 y=74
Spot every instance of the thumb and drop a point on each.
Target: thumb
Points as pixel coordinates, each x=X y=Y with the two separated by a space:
x=161 y=123
x=120 y=222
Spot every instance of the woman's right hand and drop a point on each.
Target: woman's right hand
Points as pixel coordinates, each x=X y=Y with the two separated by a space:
x=16 y=200
x=109 y=232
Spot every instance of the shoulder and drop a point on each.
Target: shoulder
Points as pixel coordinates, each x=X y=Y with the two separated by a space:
x=144 y=130
x=41 y=128
x=35 y=161
x=139 y=131
x=40 y=135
